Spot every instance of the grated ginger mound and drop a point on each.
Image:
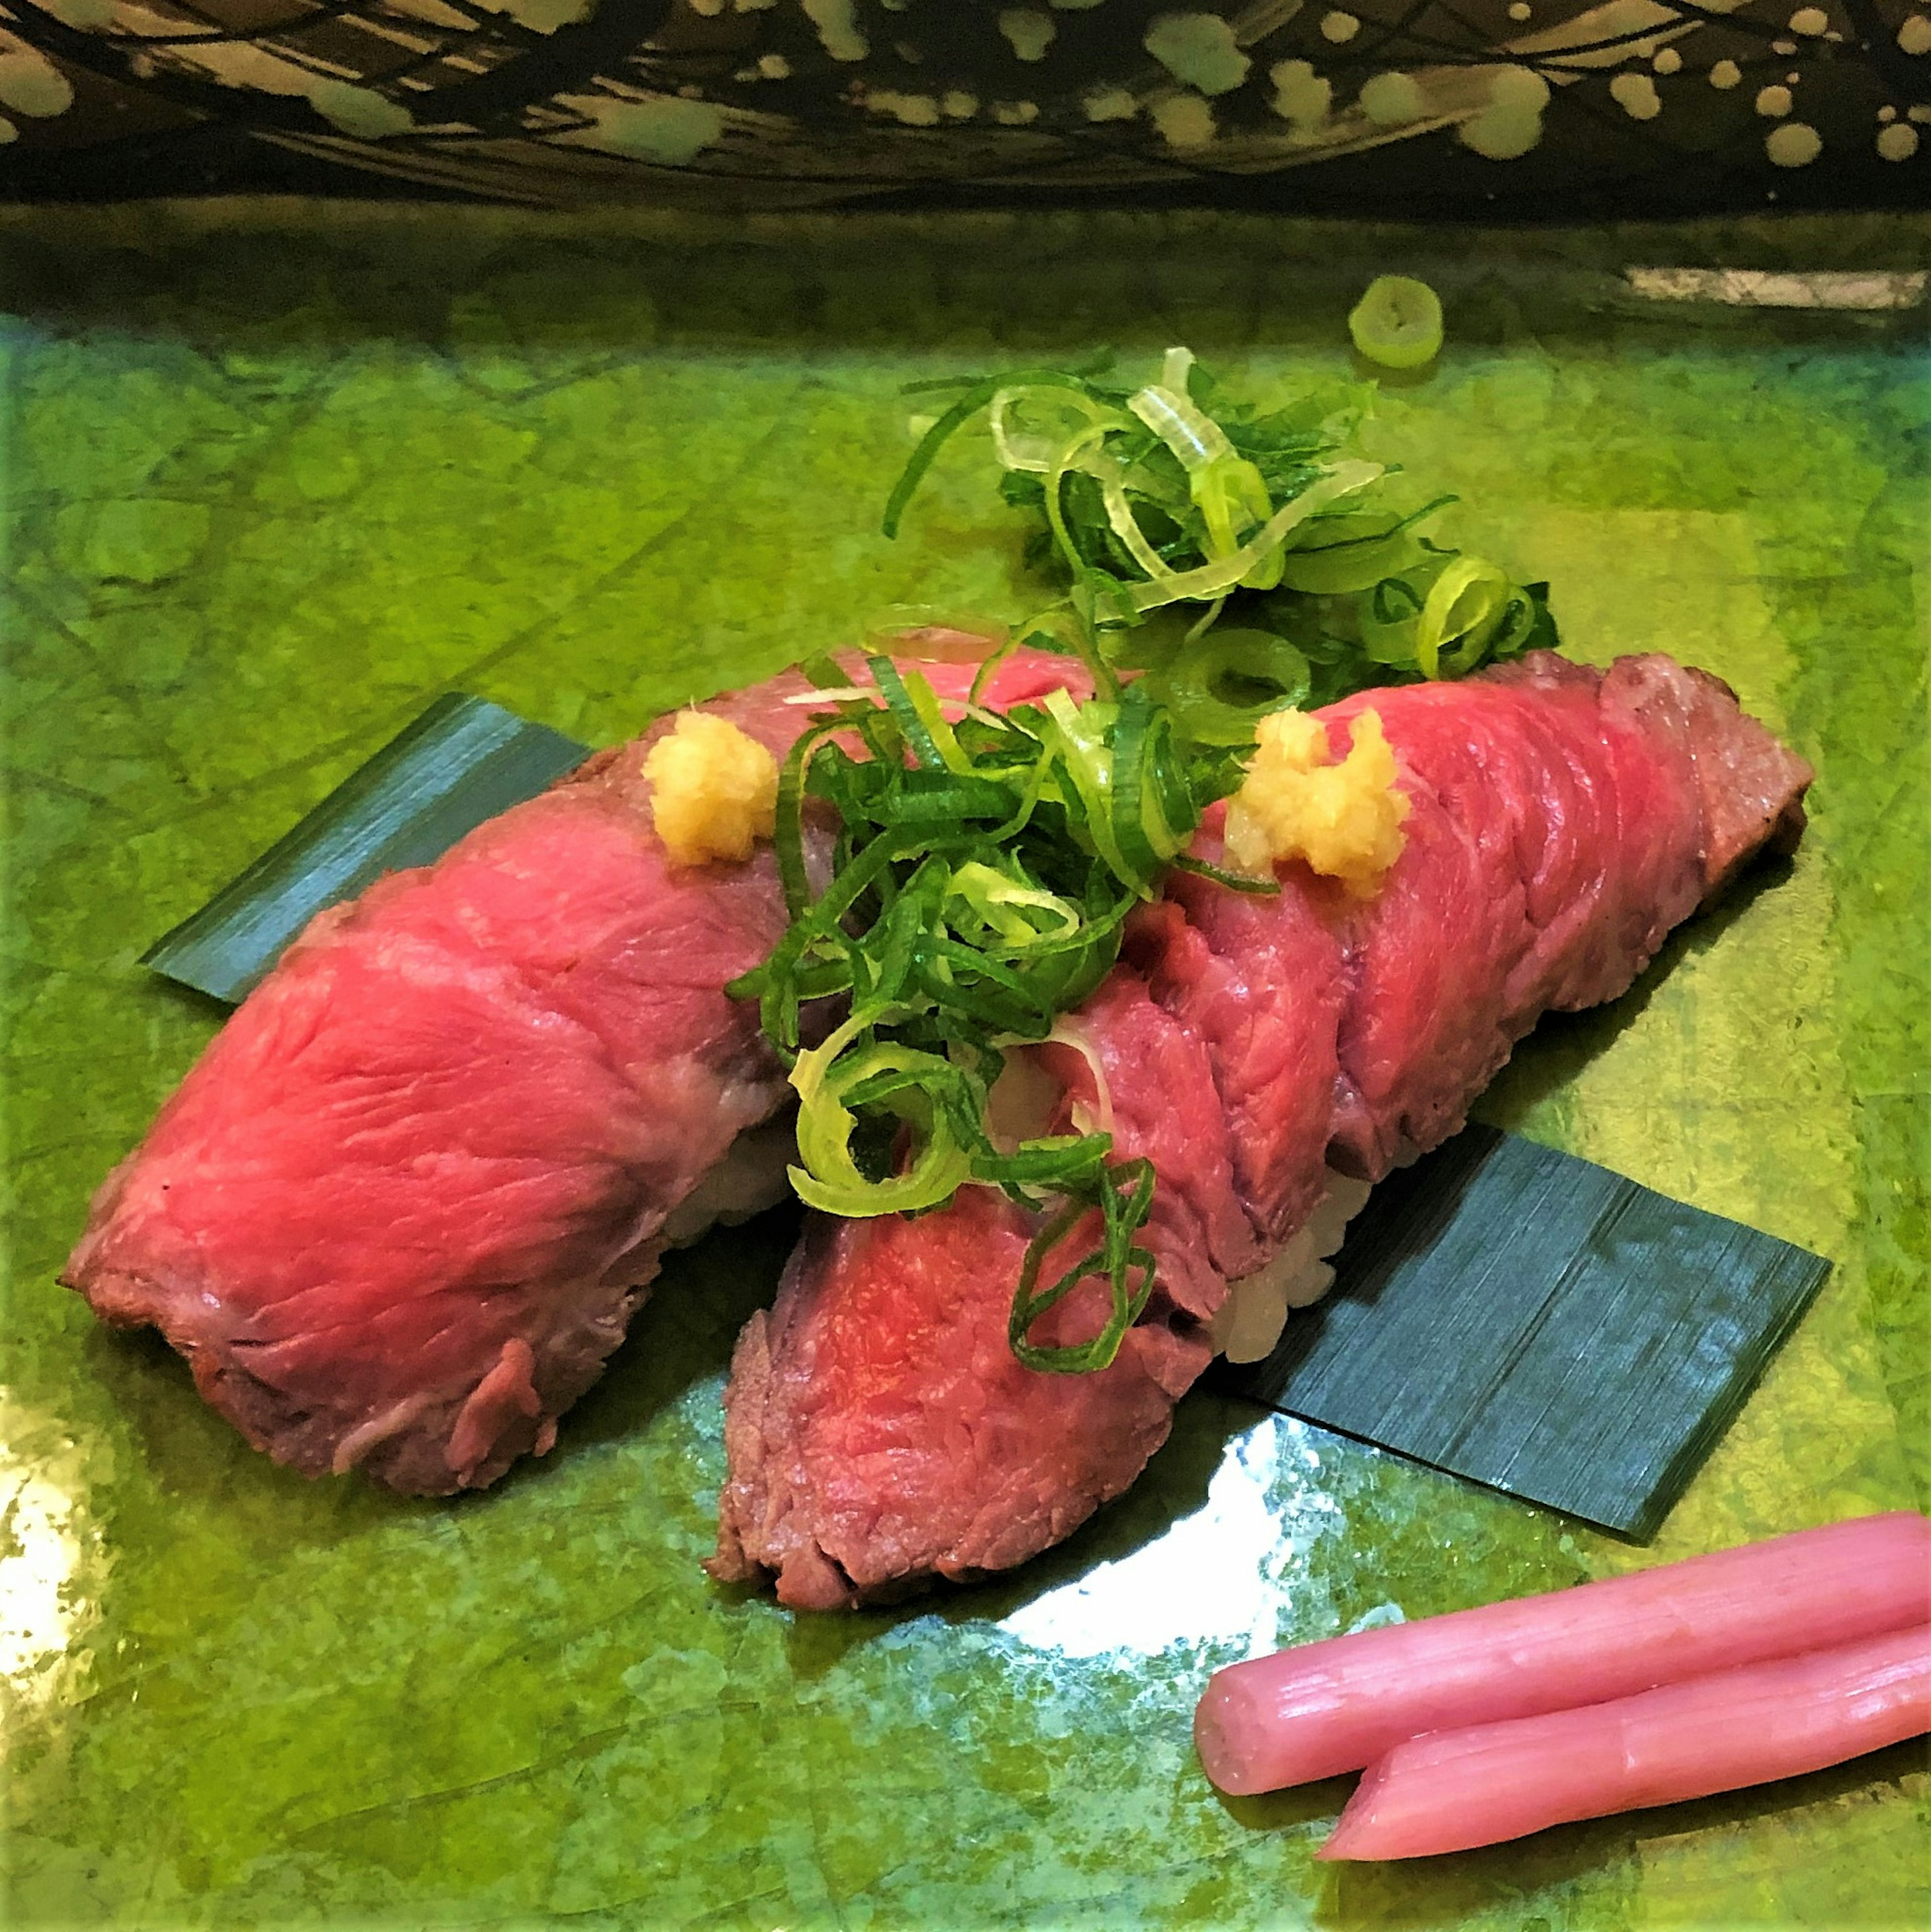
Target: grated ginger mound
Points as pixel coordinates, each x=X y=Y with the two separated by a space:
x=1344 y=820
x=713 y=790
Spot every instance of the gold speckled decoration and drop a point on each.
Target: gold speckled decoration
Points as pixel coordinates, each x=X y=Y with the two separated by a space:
x=1433 y=106
x=276 y=475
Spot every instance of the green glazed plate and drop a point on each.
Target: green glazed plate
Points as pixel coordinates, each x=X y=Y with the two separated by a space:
x=276 y=476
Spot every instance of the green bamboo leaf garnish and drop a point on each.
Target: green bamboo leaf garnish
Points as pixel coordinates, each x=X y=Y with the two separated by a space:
x=1587 y=1341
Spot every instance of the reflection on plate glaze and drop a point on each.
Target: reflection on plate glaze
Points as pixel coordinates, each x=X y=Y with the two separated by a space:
x=1223 y=1576
x=50 y=1559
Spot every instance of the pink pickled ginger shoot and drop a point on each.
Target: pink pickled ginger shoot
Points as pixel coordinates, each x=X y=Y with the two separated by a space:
x=1452 y=1790
x=1320 y=1708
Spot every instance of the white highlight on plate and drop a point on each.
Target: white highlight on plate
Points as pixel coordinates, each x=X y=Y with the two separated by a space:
x=1861 y=289
x=50 y=1555
x=1218 y=1576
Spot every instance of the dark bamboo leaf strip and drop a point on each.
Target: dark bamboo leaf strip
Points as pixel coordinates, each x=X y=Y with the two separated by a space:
x=462 y=761
x=1532 y=1321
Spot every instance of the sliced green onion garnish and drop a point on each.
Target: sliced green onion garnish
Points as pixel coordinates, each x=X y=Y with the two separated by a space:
x=1204 y=689
x=982 y=871
x=1196 y=439
x=829 y=1177
x=1125 y=1196
x=1002 y=906
x=1465 y=604
x=1354 y=551
x=976 y=395
x=983 y=866
x=1219 y=575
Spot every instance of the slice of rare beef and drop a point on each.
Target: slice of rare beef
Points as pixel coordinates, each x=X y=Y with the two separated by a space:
x=880 y=1430
x=879 y=1426
x=404 y=1207
x=1562 y=820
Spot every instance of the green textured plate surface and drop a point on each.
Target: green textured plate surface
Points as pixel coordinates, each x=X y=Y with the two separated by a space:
x=277 y=478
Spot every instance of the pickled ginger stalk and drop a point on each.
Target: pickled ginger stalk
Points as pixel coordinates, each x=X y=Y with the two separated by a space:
x=1320 y=1708
x=1452 y=1790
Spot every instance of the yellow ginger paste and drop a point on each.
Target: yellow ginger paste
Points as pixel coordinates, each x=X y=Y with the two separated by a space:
x=714 y=790
x=1344 y=820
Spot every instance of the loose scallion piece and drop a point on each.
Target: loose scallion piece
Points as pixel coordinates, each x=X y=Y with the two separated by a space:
x=1398 y=322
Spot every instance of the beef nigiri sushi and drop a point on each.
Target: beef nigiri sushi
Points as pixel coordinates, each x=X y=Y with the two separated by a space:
x=405 y=1204
x=1268 y=1055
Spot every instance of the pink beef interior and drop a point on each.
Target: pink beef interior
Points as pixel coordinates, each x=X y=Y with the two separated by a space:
x=404 y=1207
x=880 y=1429
x=1563 y=820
